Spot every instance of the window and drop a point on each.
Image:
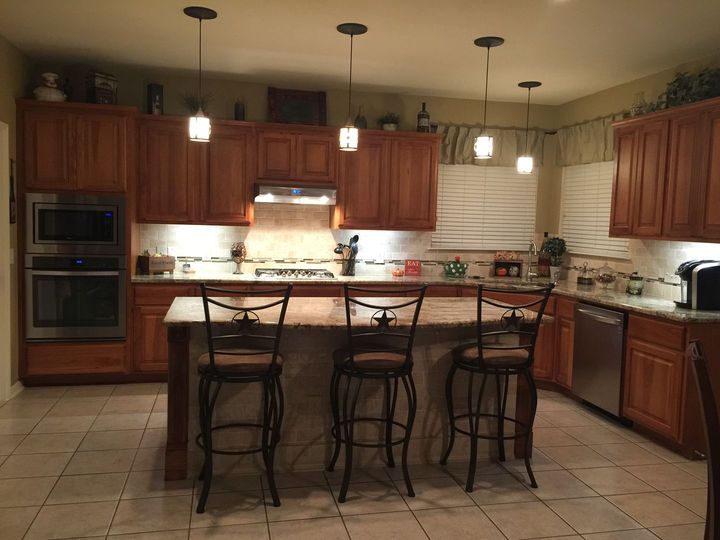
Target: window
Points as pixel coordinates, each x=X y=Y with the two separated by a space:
x=585 y=211
x=484 y=208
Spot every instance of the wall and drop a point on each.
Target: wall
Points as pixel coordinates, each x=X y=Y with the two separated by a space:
x=14 y=76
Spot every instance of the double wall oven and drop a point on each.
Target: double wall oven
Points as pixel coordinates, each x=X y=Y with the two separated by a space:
x=75 y=267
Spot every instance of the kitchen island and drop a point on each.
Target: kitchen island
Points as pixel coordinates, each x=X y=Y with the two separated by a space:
x=314 y=327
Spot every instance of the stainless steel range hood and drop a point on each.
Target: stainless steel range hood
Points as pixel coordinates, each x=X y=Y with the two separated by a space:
x=294 y=195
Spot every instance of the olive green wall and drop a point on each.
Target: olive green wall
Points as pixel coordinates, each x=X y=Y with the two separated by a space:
x=15 y=70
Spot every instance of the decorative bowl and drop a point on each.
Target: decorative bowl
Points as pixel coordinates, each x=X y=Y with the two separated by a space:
x=454 y=269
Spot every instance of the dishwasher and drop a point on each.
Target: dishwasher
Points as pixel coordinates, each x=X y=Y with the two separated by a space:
x=598 y=356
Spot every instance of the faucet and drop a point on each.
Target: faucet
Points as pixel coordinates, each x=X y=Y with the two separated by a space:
x=532 y=251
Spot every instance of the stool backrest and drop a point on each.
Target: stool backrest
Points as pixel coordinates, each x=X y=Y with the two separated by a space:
x=239 y=334
x=375 y=328
x=523 y=312
x=711 y=423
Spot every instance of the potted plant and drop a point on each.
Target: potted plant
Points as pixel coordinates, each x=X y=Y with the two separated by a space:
x=555 y=247
x=389 y=121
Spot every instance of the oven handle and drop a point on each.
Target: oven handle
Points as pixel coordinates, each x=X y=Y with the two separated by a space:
x=76 y=273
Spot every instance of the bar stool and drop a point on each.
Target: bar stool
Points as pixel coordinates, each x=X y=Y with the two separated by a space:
x=242 y=355
x=377 y=348
x=498 y=352
x=711 y=423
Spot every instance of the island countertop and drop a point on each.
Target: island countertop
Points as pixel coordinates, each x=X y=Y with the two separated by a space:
x=323 y=312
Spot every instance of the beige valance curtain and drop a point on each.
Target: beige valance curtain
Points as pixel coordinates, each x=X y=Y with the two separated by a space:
x=508 y=144
x=589 y=142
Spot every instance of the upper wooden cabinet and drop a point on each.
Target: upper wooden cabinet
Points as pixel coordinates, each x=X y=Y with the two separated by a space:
x=75 y=147
x=667 y=174
x=389 y=183
x=181 y=181
x=296 y=154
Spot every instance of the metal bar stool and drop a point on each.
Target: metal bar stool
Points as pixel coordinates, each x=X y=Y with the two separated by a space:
x=242 y=355
x=499 y=353
x=711 y=423
x=377 y=348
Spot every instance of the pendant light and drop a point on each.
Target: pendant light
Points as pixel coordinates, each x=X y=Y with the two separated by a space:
x=349 y=134
x=199 y=126
x=525 y=161
x=484 y=143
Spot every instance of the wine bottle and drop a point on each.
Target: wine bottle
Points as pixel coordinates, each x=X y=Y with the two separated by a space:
x=423 y=120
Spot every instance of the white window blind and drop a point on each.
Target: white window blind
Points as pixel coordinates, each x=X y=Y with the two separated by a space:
x=484 y=208
x=585 y=211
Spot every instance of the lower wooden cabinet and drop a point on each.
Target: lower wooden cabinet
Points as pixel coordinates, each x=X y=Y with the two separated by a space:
x=654 y=375
x=58 y=359
x=564 y=341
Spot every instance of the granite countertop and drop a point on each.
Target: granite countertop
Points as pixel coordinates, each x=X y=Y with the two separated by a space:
x=323 y=312
x=645 y=304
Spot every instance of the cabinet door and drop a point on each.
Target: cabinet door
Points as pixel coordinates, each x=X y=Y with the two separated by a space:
x=680 y=216
x=164 y=181
x=544 y=352
x=565 y=346
x=102 y=151
x=413 y=187
x=622 y=195
x=49 y=149
x=710 y=178
x=653 y=386
x=650 y=179
x=363 y=186
x=150 y=336
x=276 y=155
x=227 y=177
x=316 y=155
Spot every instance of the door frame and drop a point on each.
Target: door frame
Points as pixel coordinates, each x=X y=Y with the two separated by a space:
x=6 y=384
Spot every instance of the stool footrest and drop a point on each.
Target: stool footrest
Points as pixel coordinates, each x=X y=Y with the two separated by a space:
x=198 y=439
x=491 y=436
x=333 y=432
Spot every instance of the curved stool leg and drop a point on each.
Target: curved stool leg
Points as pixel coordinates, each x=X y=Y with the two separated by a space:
x=531 y=420
x=390 y=402
x=335 y=405
x=207 y=443
x=474 y=430
x=349 y=423
x=270 y=416
x=409 y=384
x=451 y=413
x=201 y=410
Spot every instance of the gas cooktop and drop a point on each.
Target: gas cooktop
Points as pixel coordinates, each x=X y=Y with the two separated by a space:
x=294 y=273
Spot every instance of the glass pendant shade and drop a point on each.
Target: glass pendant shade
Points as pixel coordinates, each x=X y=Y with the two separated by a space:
x=349 y=136
x=483 y=147
x=199 y=127
x=525 y=164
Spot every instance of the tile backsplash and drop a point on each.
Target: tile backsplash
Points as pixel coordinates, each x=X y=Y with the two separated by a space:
x=294 y=234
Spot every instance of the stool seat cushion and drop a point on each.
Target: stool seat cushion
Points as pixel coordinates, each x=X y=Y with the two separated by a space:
x=370 y=360
x=495 y=358
x=241 y=361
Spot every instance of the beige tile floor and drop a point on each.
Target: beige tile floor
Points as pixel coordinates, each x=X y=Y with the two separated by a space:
x=86 y=462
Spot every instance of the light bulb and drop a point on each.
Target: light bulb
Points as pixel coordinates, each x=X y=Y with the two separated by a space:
x=483 y=147
x=525 y=164
x=349 y=136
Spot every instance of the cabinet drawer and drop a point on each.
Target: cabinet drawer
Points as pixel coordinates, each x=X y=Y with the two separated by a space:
x=658 y=332
x=159 y=295
x=75 y=358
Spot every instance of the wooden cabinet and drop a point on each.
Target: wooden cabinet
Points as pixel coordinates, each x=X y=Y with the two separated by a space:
x=151 y=303
x=47 y=360
x=165 y=185
x=287 y=153
x=564 y=341
x=654 y=371
x=363 y=182
x=413 y=186
x=181 y=181
x=389 y=183
x=667 y=174
x=75 y=147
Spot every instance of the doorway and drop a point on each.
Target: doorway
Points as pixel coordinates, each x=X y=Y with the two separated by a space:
x=6 y=257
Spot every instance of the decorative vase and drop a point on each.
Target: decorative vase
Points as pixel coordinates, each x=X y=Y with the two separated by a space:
x=555 y=272
x=390 y=127
x=238 y=252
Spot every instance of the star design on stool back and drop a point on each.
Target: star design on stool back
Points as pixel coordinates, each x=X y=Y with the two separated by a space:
x=245 y=323
x=384 y=321
x=513 y=320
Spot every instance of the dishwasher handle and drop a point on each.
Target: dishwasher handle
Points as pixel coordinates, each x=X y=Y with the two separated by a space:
x=600 y=318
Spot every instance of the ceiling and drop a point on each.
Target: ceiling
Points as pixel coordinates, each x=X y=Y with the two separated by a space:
x=575 y=47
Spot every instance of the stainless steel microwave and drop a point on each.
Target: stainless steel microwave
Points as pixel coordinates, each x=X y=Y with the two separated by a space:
x=72 y=223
